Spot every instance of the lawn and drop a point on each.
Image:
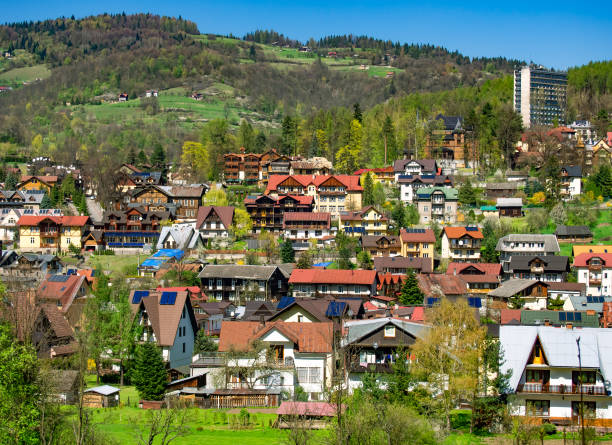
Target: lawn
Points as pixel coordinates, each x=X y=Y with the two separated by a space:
x=115 y=263
x=25 y=74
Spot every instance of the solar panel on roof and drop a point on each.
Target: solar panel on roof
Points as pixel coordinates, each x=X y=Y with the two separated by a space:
x=602 y=299
x=59 y=278
x=471 y=229
x=284 y=302
x=570 y=316
x=561 y=316
x=589 y=299
x=431 y=301
x=168 y=298
x=138 y=295
x=335 y=309
x=578 y=316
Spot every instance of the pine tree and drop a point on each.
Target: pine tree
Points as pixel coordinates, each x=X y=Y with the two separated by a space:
x=142 y=158
x=158 y=158
x=45 y=203
x=411 y=292
x=131 y=156
x=286 y=252
x=11 y=182
x=399 y=215
x=467 y=194
x=149 y=374
x=368 y=190
x=357 y=114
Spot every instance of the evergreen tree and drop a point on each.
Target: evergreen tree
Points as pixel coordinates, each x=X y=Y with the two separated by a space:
x=246 y=136
x=388 y=135
x=158 y=158
x=149 y=373
x=131 y=156
x=467 y=193
x=142 y=158
x=368 y=190
x=286 y=252
x=46 y=202
x=603 y=179
x=260 y=142
x=357 y=114
x=11 y=182
x=399 y=215
x=411 y=292
x=313 y=150
x=289 y=135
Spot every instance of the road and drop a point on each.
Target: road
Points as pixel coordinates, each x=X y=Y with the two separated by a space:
x=94 y=209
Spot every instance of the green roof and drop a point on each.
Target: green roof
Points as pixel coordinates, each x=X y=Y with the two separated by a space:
x=488 y=208
x=449 y=192
x=560 y=318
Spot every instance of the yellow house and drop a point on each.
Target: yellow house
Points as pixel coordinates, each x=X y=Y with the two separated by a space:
x=45 y=183
x=367 y=221
x=418 y=243
x=51 y=233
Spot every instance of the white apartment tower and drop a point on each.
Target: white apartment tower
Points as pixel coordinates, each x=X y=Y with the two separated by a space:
x=540 y=96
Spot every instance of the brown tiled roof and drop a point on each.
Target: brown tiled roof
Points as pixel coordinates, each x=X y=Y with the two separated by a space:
x=575 y=287
x=428 y=236
x=458 y=232
x=485 y=268
x=439 y=284
x=359 y=214
x=67 y=349
x=59 y=325
x=399 y=262
x=371 y=240
x=307 y=216
x=225 y=214
x=308 y=337
x=62 y=291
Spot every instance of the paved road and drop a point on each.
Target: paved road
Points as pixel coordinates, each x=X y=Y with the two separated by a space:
x=94 y=209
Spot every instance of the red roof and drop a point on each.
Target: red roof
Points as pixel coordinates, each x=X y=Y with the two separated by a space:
x=370 y=306
x=63 y=291
x=583 y=259
x=301 y=199
x=351 y=182
x=428 y=236
x=191 y=289
x=332 y=276
x=459 y=232
x=320 y=409
x=225 y=214
x=361 y=171
x=485 y=268
x=31 y=220
x=508 y=316
x=309 y=337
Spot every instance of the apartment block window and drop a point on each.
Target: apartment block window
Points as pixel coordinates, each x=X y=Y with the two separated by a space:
x=340 y=289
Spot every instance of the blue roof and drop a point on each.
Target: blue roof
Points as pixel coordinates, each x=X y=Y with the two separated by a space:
x=284 y=302
x=335 y=309
x=169 y=253
x=475 y=302
x=324 y=264
x=152 y=263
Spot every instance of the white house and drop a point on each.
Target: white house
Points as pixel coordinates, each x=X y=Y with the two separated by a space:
x=571 y=181
x=295 y=354
x=335 y=283
x=545 y=364
x=594 y=270
x=414 y=167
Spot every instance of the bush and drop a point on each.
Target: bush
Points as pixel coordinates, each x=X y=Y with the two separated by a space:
x=461 y=420
x=549 y=429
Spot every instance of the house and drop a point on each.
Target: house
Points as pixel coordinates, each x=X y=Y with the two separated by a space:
x=150 y=266
x=132 y=228
x=151 y=93
x=197 y=96
x=167 y=319
x=418 y=243
x=28 y=269
x=244 y=282
x=401 y=265
x=512 y=207
x=315 y=415
x=300 y=354
x=602 y=154
x=185 y=200
x=267 y=212
x=371 y=345
x=584 y=303
x=437 y=204
x=300 y=227
x=123 y=97
x=479 y=277
x=462 y=244
x=550 y=268
x=410 y=184
x=574 y=234
x=67 y=292
x=211 y=314
x=554 y=370
x=331 y=193
x=594 y=270
x=414 y=167
x=333 y=283
x=215 y=221
x=525 y=244
x=494 y=190
x=25 y=200
x=130 y=180
x=65 y=386
x=565 y=290
x=367 y=221
x=104 y=396
x=571 y=185
x=435 y=286
x=43 y=183
x=242 y=167
x=280 y=165
x=448 y=141
x=51 y=331
x=390 y=284
x=179 y=236
x=381 y=245
x=317 y=166
x=533 y=292
x=384 y=175
x=590 y=248
x=51 y=233
x=566 y=319
x=313 y=310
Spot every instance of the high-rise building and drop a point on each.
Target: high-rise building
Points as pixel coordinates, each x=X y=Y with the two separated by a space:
x=540 y=96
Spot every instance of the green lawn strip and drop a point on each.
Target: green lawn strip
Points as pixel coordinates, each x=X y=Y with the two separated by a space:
x=115 y=263
x=26 y=74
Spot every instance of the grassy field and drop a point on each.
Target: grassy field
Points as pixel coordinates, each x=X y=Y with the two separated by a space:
x=25 y=74
x=115 y=263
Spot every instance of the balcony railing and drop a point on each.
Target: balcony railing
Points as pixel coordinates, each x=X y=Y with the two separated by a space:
x=546 y=388
x=594 y=281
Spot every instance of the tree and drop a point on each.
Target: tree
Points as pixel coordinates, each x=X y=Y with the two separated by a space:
x=142 y=159
x=246 y=136
x=551 y=179
x=158 y=158
x=467 y=193
x=555 y=304
x=286 y=252
x=304 y=261
x=251 y=366
x=194 y=159
x=45 y=203
x=448 y=356
x=166 y=424
x=398 y=214
x=412 y=215
x=411 y=292
x=131 y=156
x=379 y=194
x=204 y=343
x=313 y=149
x=11 y=182
x=149 y=374
x=19 y=391
x=289 y=135
x=365 y=260
x=260 y=142
x=242 y=224
x=558 y=214
x=508 y=129
x=601 y=123
x=516 y=302
x=357 y=114
x=348 y=157
x=388 y=135
x=368 y=190
x=215 y=197
x=268 y=243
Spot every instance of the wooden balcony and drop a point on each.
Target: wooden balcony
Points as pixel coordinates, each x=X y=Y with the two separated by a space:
x=594 y=282
x=546 y=388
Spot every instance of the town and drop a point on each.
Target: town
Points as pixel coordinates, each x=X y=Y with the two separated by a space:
x=454 y=288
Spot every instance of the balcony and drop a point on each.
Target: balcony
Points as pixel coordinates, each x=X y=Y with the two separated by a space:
x=594 y=281
x=595 y=267
x=546 y=388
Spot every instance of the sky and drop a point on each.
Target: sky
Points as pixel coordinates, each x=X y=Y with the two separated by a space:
x=558 y=34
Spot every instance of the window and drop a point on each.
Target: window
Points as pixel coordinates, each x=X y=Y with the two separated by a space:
x=389 y=331
x=278 y=353
x=588 y=377
x=340 y=289
x=183 y=347
x=210 y=282
x=300 y=318
x=589 y=408
x=184 y=311
x=309 y=375
x=538 y=407
x=219 y=282
x=537 y=376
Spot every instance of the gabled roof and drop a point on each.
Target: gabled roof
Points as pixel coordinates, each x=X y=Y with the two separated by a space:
x=560 y=348
x=451 y=123
x=308 y=337
x=185 y=236
x=247 y=272
x=573 y=171
x=450 y=193
x=360 y=214
x=428 y=165
x=31 y=220
x=62 y=288
x=324 y=217
x=372 y=240
x=358 y=329
x=509 y=202
x=484 y=268
x=502 y=186
x=550 y=241
x=563 y=230
x=58 y=323
x=351 y=182
x=510 y=288
x=583 y=259
x=552 y=263
x=460 y=232
x=441 y=284
x=399 y=262
x=105 y=390
x=317 y=409
x=225 y=214
x=331 y=276
x=417 y=236
x=567 y=287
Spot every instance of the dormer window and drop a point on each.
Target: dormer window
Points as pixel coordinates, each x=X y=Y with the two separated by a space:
x=389 y=331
